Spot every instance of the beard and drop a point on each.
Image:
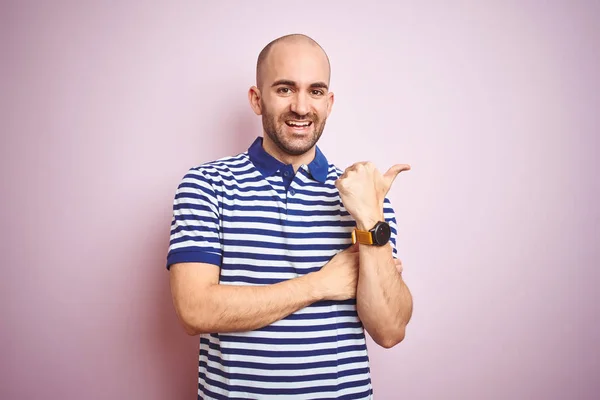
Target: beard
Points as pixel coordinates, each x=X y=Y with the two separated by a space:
x=276 y=128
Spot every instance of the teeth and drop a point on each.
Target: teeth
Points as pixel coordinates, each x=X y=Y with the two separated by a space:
x=300 y=124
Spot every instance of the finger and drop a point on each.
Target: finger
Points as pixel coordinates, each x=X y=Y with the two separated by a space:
x=398 y=265
x=393 y=172
x=344 y=176
x=353 y=248
x=354 y=166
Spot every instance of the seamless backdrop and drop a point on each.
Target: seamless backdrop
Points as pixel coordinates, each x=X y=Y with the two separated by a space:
x=495 y=104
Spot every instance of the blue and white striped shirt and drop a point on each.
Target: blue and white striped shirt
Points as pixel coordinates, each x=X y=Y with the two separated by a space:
x=261 y=224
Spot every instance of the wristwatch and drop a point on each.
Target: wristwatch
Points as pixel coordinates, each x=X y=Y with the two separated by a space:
x=378 y=236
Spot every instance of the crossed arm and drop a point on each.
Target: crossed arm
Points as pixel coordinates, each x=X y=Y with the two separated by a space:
x=205 y=306
x=383 y=301
x=367 y=273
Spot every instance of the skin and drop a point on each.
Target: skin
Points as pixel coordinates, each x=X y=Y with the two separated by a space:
x=293 y=84
x=383 y=300
x=292 y=88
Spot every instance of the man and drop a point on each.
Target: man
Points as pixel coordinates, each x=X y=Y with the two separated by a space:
x=261 y=258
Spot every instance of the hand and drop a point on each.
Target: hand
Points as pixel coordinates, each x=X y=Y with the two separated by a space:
x=398 y=264
x=339 y=277
x=363 y=189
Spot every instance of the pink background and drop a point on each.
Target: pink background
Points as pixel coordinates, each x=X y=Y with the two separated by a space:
x=495 y=104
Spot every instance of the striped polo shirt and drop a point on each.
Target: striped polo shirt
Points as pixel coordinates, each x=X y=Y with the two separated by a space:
x=261 y=223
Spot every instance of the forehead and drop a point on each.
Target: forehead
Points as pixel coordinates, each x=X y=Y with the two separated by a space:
x=301 y=62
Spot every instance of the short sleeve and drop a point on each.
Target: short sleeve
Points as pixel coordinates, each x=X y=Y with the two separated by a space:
x=195 y=226
x=390 y=218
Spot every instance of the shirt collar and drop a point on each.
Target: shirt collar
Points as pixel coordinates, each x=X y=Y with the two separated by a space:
x=268 y=165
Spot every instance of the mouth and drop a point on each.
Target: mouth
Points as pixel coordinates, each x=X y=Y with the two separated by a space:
x=298 y=124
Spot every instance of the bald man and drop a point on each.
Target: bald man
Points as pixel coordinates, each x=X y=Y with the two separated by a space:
x=278 y=259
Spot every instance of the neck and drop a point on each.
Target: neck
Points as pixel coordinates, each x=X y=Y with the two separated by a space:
x=295 y=161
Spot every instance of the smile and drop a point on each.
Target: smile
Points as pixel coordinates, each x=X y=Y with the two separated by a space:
x=298 y=124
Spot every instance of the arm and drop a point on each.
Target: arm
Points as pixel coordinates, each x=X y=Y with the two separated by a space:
x=204 y=306
x=384 y=302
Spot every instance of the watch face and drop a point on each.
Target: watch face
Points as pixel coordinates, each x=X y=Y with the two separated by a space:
x=382 y=233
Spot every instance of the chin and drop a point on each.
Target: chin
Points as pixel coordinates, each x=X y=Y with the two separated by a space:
x=296 y=151
x=299 y=148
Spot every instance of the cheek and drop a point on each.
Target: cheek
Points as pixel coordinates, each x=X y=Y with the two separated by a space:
x=323 y=110
x=277 y=108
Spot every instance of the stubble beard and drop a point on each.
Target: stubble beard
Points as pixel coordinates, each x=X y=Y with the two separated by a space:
x=275 y=130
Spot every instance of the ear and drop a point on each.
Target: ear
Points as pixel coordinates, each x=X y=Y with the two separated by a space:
x=330 y=100
x=254 y=99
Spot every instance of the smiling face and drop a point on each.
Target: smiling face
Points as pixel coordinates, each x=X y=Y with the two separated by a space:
x=293 y=99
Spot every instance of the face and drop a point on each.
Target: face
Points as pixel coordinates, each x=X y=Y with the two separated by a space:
x=294 y=100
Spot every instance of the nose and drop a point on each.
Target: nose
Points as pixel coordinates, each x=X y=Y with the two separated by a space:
x=300 y=104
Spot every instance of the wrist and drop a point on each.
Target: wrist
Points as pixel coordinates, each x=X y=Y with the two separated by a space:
x=316 y=290
x=367 y=222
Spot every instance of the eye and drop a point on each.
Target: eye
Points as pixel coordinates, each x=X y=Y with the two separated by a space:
x=284 y=90
x=317 y=92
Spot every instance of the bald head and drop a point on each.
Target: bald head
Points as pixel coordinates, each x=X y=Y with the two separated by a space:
x=297 y=40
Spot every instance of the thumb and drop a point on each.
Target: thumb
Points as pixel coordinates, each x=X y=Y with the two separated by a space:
x=393 y=172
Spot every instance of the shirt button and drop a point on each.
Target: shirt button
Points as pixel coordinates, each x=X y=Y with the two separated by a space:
x=292 y=192
x=286 y=173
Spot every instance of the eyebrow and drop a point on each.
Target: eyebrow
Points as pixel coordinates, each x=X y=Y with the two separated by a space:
x=287 y=82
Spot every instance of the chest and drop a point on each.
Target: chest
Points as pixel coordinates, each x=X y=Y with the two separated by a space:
x=270 y=232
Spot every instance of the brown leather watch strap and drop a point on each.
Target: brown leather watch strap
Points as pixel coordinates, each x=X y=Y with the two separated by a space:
x=362 y=237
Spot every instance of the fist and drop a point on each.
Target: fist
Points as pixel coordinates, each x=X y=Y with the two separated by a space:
x=363 y=189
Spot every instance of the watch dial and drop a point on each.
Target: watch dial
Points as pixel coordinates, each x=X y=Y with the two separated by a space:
x=382 y=234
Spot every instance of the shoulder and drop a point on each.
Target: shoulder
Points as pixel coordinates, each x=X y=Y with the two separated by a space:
x=334 y=172
x=210 y=178
x=223 y=166
x=220 y=170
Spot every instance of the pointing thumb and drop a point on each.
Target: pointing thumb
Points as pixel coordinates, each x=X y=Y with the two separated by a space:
x=393 y=172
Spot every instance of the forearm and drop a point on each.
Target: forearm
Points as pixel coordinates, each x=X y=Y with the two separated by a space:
x=384 y=302
x=229 y=308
